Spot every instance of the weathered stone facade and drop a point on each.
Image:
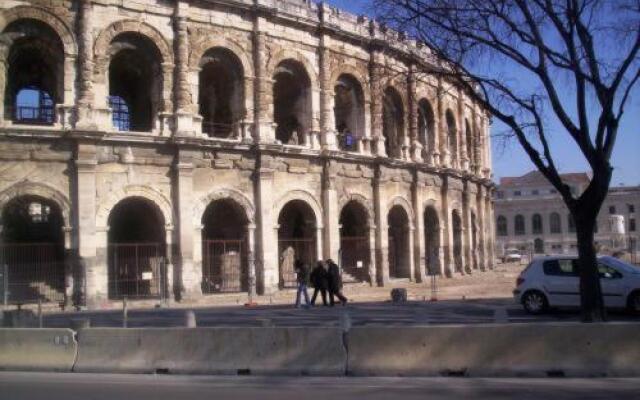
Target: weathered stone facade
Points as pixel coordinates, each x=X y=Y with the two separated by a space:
x=236 y=103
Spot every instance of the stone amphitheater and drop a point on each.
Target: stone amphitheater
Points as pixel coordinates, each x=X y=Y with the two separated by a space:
x=177 y=149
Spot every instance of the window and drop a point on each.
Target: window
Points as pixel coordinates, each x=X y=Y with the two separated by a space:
x=34 y=106
x=561 y=267
x=554 y=223
x=501 y=226
x=535 y=192
x=517 y=193
x=519 y=225
x=631 y=208
x=612 y=209
x=500 y=194
x=632 y=225
x=607 y=272
x=536 y=224
x=572 y=223
x=120 y=113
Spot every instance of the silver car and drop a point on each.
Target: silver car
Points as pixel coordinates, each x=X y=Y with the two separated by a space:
x=553 y=281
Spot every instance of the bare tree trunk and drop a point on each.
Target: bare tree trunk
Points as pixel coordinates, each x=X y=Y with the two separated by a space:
x=590 y=289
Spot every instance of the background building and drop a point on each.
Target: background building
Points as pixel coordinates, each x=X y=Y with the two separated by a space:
x=531 y=216
x=181 y=148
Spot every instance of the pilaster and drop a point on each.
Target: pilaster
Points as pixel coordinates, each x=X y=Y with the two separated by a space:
x=184 y=121
x=331 y=212
x=266 y=234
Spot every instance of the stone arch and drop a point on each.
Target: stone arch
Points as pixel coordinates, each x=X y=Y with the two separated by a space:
x=404 y=203
x=41 y=190
x=357 y=74
x=146 y=192
x=223 y=194
x=212 y=42
x=106 y=36
x=304 y=196
x=287 y=54
x=58 y=25
x=363 y=201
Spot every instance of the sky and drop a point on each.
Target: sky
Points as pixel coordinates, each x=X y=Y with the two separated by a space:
x=510 y=160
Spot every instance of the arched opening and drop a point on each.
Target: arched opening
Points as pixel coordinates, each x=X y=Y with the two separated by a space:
x=224 y=248
x=474 y=241
x=426 y=125
x=32 y=250
x=136 y=250
x=432 y=241
x=399 y=245
x=538 y=246
x=349 y=111
x=354 y=241
x=456 y=228
x=135 y=82
x=501 y=225
x=470 y=142
x=35 y=73
x=392 y=121
x=291 y=102
x=221 y=93
x=555 y=224
x=452 y=137
x=296 y=239
x=536 y=224
x=518 y=225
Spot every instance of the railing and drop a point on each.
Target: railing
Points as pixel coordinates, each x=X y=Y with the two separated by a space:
x=224 y=267
x=355 y=256
x=32 y=273
x=291 y=250
x=137 y=271
x=44 y=115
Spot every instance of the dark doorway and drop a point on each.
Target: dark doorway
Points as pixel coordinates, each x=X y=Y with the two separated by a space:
x=296 y=239
x=354 y=242
x=456 y=227
x=291 y=102
x=399 y=249
x=432 y=241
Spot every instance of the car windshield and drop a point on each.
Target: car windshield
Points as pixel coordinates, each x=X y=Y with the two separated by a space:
x=621 y=265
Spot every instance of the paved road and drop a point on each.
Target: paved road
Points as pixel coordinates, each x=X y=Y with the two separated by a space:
x=361 y=314
x=32 y=386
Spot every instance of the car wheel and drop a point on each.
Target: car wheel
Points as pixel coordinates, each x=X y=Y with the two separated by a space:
x=534 y=302
x=634 y=303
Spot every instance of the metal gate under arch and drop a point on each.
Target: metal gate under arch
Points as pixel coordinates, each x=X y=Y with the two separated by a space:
x=137 y=271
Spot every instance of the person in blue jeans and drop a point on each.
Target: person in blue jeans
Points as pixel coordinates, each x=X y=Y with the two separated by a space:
x=302 y=276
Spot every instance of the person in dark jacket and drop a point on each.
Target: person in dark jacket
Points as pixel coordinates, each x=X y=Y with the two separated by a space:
x=335 y=283
x=302 y=276
x=320 y=282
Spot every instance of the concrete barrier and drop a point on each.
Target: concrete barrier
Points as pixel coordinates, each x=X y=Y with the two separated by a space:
x=259 y=351
x=37 y=349
x=566 y=349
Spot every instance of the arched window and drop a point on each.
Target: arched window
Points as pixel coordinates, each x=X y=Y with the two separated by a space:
x=519 y=228
x=536 y=224
x=291 y=102
x=501 y=225
x=426 y=125
x=35 y=72
x=135 y=82
x=348 y=111
x=555 y=225
x=470 y=143
x=392 y=122
x=452 y=137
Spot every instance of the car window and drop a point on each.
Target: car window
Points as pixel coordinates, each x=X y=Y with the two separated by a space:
x=606 y=272
x=562 y=267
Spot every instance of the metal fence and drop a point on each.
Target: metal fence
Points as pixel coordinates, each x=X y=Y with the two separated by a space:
x=137 y=271
x=224 y=267
x=32 y=273
x=35 y=115
x=290 y=250
x=355 y=256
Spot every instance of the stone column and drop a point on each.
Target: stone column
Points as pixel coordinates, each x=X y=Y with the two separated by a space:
x=490 y=231
x=4 y=69
x=416 y=146
x=170 y=288
x=467 y=246
x=264 y=131
x=382 y=236
x=377 y=136
x=189 y=278
x=486 y=126
x=327 y=122
x=445 y=154
x=69 y=266
x=183 y=99
x=84 y=117
x=410 y=232
x=91 y=246
x=372 y=253
x=481 y=221
x=446 y=239
x=251 y=259
x=418 y=233
x=267 y=235
x=463 y=157
x=331 y=212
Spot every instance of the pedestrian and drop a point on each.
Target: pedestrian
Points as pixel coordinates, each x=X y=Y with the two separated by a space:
x=302 y=276
x=335 y=283
x=320 y=282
